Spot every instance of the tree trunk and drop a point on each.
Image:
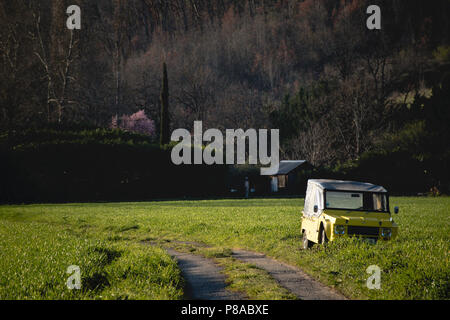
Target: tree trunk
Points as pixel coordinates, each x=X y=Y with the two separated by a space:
x=165 y=120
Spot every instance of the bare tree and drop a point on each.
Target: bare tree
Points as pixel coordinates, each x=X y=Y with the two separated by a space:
x=56 y=60
x=315 y=144
x=196 y=93
x=10 y=64
x=16 y=67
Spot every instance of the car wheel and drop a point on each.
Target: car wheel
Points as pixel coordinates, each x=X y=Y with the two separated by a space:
x=306 y=244
x=323 y=236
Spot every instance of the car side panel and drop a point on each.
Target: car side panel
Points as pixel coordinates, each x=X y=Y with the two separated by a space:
x=311 y=226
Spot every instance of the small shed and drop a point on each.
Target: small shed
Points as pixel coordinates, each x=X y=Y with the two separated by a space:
x=290 y=178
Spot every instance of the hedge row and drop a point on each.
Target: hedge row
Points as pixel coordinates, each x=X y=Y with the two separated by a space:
x=100 y=165
x=89 y=164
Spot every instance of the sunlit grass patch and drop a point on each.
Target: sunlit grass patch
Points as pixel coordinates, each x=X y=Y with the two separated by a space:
x=35 y=257
x=414 y=266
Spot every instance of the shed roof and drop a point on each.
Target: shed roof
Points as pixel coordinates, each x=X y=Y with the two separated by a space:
x=339 y=185
x=286 y=167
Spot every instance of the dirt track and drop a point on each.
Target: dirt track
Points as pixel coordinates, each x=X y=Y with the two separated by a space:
x=293 y=279
x=203 y=278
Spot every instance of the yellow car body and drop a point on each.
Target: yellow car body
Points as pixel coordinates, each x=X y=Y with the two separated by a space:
x=320 y=223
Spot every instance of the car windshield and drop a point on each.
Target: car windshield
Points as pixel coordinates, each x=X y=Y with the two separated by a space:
x=364 y=201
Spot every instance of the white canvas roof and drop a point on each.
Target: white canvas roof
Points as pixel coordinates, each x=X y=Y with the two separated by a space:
x=339 y=185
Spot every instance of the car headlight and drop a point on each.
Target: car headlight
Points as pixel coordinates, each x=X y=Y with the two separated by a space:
x=386 y=232
x=339 y=229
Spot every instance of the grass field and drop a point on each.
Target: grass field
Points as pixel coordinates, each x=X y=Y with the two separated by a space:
x=110 y=242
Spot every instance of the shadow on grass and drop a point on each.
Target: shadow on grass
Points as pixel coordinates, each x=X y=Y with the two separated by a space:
x=97 y=280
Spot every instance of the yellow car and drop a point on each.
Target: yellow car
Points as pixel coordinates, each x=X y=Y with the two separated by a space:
x=336 y=209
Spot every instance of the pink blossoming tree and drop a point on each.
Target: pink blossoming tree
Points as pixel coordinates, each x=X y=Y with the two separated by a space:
x=138 y=123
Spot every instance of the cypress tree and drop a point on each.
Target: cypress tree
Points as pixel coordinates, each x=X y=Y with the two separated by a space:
x=164 y=99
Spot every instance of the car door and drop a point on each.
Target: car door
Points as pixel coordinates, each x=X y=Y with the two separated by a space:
x=311 y=219
x=307 y=219
x=319 y=204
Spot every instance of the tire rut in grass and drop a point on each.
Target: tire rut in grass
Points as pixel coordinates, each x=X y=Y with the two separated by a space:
x=293 y=279
x=203 y=278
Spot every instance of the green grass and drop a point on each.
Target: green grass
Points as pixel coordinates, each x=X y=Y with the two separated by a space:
x=48 y=238
x=34 y=258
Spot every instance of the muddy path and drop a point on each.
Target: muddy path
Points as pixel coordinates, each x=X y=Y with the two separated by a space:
x=204 y=280
x=292 y=278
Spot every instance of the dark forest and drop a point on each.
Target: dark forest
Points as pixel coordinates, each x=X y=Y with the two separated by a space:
x=358 y=103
